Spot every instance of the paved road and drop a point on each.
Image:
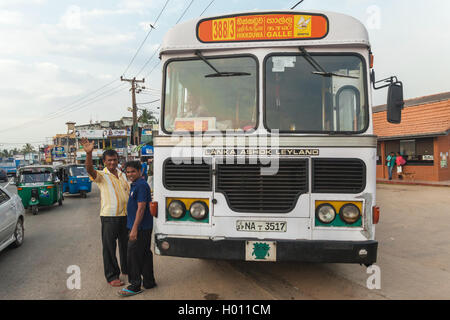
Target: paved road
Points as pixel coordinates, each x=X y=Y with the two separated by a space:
x=413 y=258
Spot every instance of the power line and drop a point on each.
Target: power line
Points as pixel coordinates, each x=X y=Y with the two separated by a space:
x=79 y=104
x=147 y=62
x=145 y=39
x=149 y=59
x=17 y=143
x=149 y=102
x=190 y=4
x=153 y=69
x=297 y=4
x=151 y=90
x=80 y=101
x=92 y=100
x=207 y=7
x=63 y=109
x=74 y=108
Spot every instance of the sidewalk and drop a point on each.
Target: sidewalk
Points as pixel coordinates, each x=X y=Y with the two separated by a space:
x=445 y=183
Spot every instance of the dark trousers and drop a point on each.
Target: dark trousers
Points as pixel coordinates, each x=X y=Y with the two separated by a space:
x=114 y=229
x=140 y=261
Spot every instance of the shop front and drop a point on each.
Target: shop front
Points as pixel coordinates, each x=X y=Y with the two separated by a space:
x=422 y=138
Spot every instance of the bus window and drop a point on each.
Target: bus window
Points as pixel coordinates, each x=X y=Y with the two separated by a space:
x=212 y=103
x=348 y=105
x=299 y=100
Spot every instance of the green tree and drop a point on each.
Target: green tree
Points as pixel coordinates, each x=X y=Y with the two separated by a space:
x=28 y=148
x=147 y=117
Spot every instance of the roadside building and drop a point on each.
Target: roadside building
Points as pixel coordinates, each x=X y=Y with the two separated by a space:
x=110 y=135
x=64 y=146
x=105 y=135
x=422 y=138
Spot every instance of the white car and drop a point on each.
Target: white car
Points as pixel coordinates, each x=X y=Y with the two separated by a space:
x=12 y=214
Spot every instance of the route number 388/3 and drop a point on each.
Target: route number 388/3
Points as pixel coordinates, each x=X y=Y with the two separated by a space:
x=224 y=29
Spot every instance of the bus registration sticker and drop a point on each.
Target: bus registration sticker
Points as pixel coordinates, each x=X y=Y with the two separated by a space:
x=261 y=226
x=261 y=251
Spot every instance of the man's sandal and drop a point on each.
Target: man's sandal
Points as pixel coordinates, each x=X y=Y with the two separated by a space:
x=116 y=283
x=127 y=293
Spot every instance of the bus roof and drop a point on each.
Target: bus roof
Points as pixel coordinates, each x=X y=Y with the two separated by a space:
x=341 y=30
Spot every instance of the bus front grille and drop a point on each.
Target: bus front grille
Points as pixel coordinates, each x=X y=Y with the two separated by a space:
x=338 y=175
x=187 y=176
x=247 y=190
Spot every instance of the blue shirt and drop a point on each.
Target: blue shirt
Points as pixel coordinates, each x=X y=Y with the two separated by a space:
x=139 y=192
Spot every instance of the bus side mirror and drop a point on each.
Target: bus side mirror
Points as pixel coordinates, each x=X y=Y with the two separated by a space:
x=395 y=102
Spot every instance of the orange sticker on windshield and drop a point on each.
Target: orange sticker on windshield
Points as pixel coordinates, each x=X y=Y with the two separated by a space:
x=263 y=28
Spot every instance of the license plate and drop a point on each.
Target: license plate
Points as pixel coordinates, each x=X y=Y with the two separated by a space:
x=261 y=226
x=261 y=251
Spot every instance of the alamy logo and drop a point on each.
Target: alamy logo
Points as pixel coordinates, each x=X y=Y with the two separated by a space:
x=374 y=281
x=374 y=17
x=74 y=280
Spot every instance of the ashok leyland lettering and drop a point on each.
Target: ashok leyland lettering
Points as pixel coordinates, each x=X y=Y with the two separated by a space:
x=266 y=149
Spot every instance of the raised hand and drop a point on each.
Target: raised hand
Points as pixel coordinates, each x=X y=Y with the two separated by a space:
x=87 y=146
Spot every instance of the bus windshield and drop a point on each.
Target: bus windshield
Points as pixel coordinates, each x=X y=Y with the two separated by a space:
x=195 y=102
x=301 y=98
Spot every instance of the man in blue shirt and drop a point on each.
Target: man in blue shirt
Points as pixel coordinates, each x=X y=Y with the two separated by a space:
x=140 y=225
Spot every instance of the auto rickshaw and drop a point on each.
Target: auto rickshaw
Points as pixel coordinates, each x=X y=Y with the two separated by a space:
x=76 y=180
x=39 y=186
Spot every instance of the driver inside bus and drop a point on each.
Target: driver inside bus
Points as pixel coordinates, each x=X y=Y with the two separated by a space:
x=196 y=107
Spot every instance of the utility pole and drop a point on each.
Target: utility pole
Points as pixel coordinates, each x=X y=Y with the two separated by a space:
x=135 y=138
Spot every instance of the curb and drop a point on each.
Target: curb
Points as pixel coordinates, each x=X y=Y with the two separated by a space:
x=413 y=183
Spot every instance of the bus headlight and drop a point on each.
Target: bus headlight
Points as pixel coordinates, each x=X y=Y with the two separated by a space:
x=176 y=209
x=198 y=210
x=325 y=213
x=349 y=213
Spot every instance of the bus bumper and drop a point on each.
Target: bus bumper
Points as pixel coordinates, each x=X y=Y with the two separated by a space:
x=320 y=251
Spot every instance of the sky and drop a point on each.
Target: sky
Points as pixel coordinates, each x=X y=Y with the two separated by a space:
x=62 y=60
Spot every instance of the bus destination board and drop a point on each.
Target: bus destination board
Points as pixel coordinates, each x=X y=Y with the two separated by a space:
x=264 y=27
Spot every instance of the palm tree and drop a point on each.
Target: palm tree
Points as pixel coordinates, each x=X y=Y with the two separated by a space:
x=147 y=117
x=28 y=148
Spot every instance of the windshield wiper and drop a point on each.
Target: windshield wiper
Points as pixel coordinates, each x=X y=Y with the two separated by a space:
x=218 y=73
x=329 y=74
x=319 y=70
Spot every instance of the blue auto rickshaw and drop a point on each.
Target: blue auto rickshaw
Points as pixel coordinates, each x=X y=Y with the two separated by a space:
x=76 y=180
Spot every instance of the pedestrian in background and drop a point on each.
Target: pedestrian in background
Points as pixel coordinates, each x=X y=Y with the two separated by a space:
x=114 y=189
x=150 y=173
x=390 y=163
x=140 y=225
x=400 y=162
x=144 y=169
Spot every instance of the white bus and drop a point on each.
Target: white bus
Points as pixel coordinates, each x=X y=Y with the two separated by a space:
x=265 y=150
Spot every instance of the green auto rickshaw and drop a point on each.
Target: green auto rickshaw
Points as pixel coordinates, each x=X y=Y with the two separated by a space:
x=39 y=185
